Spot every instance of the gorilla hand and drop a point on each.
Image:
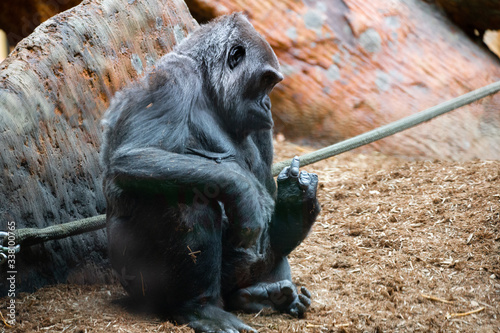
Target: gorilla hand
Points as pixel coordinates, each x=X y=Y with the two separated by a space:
x=296 y=208
x=294 y=184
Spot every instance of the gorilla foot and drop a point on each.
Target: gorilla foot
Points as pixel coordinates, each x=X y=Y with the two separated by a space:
x=281 y=296
x=211 y=318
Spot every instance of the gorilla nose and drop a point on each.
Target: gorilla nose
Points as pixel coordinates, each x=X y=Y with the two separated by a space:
x=271 y=77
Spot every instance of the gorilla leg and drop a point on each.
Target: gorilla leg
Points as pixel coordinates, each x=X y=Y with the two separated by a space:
x=295 y=211
x=174 y=264
x=150 y=253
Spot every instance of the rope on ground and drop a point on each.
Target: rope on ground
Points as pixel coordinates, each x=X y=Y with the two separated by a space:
x=30 y=236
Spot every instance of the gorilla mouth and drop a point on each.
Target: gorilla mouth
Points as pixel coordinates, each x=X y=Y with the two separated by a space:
x=260 y=114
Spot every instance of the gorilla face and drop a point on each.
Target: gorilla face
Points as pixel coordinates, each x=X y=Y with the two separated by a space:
x=238 y=69
x=251 y=70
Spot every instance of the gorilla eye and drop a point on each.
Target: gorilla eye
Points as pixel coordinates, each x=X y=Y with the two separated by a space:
x=236 y=55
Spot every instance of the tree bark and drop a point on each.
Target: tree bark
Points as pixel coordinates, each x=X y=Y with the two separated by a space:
x=54 y=88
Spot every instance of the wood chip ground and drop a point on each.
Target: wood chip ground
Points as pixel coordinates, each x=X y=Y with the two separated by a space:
x=400 y=246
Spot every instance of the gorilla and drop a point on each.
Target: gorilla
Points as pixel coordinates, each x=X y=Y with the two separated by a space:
x=196 y=224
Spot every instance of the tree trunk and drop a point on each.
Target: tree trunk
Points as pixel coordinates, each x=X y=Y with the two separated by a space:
x=54 y=88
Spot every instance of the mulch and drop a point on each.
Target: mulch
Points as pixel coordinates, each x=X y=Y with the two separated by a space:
x=400 y=246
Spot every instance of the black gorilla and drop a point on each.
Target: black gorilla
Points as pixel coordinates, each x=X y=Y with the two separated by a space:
x=195 y=223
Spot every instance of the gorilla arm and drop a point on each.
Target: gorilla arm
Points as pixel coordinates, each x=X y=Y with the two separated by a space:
x=153 y=170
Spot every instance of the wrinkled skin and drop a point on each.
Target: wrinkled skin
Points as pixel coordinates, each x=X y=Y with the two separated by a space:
x=196 y=226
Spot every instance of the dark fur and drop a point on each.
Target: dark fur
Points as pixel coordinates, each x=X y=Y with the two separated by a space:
x=194 y=220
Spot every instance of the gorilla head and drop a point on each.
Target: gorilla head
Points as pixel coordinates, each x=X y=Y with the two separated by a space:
x=239 y=70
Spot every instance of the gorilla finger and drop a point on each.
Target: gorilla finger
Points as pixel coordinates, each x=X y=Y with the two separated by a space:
x=284 y=173
x=314 y=178
x=230 y=330
x=201 y=326
x=294 y=167
x=313 y=185
x=241 y=327
x=294 y=312
x=287 y=288
x=305 y=292
x=306 y=301
x=301 y=309
x=305 y=179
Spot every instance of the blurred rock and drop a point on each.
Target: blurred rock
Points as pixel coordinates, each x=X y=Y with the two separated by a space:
x=353 y=65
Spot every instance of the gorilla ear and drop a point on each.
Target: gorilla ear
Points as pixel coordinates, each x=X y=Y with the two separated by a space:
x=236 y=56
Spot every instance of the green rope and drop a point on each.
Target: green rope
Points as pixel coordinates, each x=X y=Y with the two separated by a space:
x=29 y=236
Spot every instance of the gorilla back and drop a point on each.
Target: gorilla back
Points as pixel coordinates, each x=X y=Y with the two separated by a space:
x=195 y=222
